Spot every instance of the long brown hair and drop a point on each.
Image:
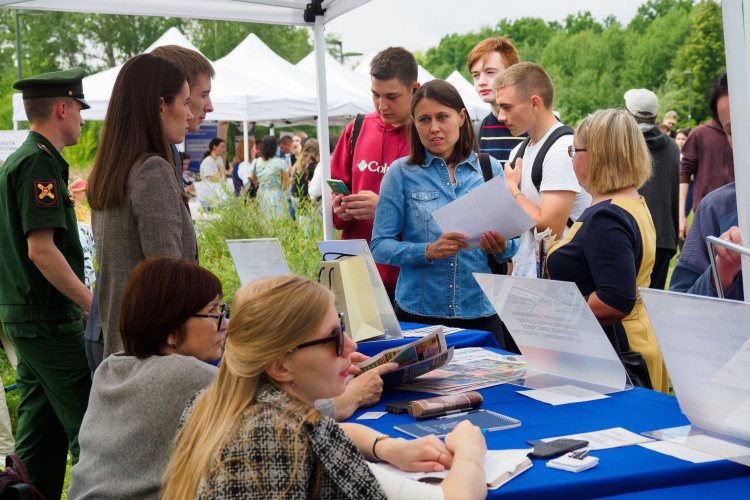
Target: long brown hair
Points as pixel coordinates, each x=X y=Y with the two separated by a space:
x=265 y=326
x=446 y=94
x=132 y=129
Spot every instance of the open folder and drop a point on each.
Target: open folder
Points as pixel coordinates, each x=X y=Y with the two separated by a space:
x=556 y=332
x=705 y=343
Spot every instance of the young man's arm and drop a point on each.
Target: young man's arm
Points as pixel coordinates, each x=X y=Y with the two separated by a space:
x=52 y=264
x=554 y=206
x=688 y=167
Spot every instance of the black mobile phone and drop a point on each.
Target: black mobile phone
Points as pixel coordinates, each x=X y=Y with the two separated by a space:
x=397 y=407
x=556 y=448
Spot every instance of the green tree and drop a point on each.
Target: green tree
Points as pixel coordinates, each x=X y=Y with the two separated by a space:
x=583 y=21
x=654 y=9
x=702 y=53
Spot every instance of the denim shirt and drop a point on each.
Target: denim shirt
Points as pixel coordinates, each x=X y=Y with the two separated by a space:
x=409 y=194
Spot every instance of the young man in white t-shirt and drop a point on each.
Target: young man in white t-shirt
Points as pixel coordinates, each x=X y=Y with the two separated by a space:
x=524 y=96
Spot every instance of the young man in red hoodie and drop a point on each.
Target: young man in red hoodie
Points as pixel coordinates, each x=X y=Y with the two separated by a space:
x=382 y=139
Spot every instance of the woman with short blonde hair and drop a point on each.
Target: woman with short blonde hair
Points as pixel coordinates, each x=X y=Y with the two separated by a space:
x=255 y=433
x=609 y=252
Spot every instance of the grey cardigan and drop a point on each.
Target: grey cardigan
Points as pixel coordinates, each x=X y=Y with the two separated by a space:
x=133 y=415
x=152 y=221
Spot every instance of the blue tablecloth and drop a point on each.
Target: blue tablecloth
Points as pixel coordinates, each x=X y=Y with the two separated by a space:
x=465 y=338
x=729 y=488
x=622 y=470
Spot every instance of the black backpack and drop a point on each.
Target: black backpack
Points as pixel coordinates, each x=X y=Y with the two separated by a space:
x=355 y=132
x=536 y=169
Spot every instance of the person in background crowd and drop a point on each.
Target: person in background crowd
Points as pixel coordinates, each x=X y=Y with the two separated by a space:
x=669 y=121
x=706 y=157
x=315 y=189
x=303 y=172
x=296 y=147
x=171 y=323
x=435 y=284
x=255 y=434
x=661 y=190
x=285 y=148
x=187 y=175
x=77 y=188
x=138 y=205
x=680 y=138
x=212 y=166
x=487 y=60
x=609 y=252
x=382 y=139
x=715 y=216
x=272 y=176
x=43 y=300
x=241 y=167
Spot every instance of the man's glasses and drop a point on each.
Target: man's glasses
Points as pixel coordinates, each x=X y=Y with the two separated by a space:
x=337 y=337
x=222 y=314
x=572 y=150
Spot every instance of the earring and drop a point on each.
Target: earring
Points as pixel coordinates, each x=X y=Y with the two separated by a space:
x=291 y=380
x=173 y=346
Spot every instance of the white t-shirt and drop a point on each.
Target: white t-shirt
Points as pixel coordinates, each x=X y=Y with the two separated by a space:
x=558 y=175
x=211 y=166
x=397 y=487
x=243 y=172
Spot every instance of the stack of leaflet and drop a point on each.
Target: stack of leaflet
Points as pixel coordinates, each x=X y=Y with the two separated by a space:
x=569 y=463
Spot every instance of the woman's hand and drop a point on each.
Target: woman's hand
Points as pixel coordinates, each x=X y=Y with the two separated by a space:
x=426 y=454
x=513 y=176
x=448 y=245
x=491 y=243
x=466 y=441
x=728 y=262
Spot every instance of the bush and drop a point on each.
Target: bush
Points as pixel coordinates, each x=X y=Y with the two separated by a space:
x=240 y=219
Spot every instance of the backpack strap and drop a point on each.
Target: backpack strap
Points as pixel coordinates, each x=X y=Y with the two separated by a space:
x=484 y=162
x=355 y=132
x=478 y=129
x=520 y=152
x=536 y=170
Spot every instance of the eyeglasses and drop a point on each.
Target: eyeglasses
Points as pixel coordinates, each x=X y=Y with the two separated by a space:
x=572 y=150
x=222 y=314
x=337 y=337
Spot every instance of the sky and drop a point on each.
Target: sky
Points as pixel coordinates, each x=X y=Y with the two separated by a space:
x=420 y=24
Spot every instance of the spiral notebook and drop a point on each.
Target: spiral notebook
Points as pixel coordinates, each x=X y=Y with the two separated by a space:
x=484 y=419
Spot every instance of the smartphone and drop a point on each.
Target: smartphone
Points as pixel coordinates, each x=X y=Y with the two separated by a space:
x=338 y=186
x=397 y=407
x=556 y=448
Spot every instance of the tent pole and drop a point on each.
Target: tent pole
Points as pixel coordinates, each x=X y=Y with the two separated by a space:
x=246 y=148
x=737 y=48
x=325 y=149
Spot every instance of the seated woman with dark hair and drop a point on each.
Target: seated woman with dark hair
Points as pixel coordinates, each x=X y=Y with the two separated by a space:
x=171 y=323
x=255 y=433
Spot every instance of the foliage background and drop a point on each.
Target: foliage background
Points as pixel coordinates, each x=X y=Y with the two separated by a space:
x=591 y=62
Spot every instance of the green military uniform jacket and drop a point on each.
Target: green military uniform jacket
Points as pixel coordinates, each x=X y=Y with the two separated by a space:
x=34 y=194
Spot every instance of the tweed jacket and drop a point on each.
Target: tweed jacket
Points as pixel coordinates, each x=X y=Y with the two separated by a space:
x=256 y=465
x=153 y=221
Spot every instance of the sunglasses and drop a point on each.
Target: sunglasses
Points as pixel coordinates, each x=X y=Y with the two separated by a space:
x=222 y=314
x=337 y=337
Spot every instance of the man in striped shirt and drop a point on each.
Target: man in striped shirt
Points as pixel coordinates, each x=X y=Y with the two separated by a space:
x=487 y=60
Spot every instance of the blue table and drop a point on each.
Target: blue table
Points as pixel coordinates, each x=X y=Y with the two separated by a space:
x=465 y=338
x=622 y=470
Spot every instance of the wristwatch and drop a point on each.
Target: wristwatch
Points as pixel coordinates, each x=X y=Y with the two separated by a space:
x=378 y=438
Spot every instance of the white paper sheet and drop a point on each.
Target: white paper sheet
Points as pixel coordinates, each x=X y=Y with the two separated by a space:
x=490 y=207
x=496 y=463
x=681 y=452
x=607 y=438
x=424 y=331
x=563 y=394
x=257 y=258
x=372 y=415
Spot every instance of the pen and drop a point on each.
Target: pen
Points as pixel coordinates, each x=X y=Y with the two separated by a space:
x=445 y=414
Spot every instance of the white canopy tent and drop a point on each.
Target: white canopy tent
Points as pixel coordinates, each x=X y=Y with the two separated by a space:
x=349 y=79
x=317 y=13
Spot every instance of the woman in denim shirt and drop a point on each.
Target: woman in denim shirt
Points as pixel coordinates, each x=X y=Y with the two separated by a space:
x=435 y=285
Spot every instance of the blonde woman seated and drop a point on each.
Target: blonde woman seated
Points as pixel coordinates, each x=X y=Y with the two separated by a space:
x=255 y=433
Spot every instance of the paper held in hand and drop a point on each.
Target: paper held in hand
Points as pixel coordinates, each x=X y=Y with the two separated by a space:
x=490 y=207
x=415 y=359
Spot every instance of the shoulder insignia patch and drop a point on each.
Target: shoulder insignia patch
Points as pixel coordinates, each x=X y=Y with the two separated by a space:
x=45 y=193
x=44 y=148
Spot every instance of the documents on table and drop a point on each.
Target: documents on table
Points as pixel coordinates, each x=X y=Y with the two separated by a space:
x=257 y=258
x=563 y=394
x=415 y=359
x=421 y=332
x=500 y=466
x=490 y=207
x=608 y=438
x=679 y=451
x=470 y=370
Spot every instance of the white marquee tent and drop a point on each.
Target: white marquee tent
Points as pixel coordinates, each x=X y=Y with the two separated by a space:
x=316 y=13
x=336 y=72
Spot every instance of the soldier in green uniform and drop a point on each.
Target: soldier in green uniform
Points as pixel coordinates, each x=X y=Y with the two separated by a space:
x=43 y=301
